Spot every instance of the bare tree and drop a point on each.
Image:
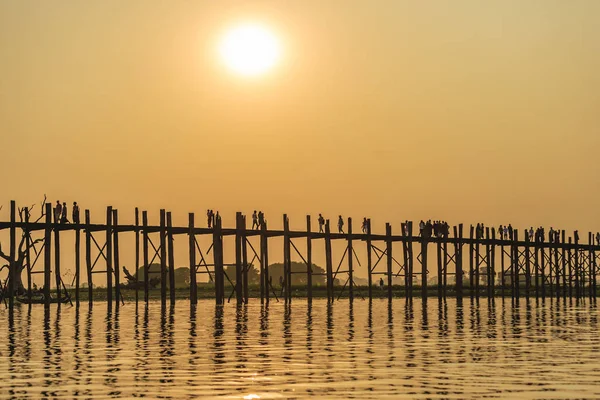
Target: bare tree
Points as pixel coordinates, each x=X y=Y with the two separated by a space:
x=23 y=248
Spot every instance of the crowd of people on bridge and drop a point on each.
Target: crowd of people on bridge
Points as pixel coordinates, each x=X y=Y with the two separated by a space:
x=436 y=229
x=60 y=213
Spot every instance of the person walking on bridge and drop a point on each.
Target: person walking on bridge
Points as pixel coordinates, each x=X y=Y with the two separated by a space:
x=254 y=220
x=75 y=213
x=63 y=214
x=321 y=223
x=209 y=217
x=340 y=224
x=57 y=212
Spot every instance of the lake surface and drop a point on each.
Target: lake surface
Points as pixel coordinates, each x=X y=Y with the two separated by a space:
x=446 y=349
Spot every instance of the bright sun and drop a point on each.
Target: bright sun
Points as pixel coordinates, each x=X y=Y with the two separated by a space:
x=249 y=50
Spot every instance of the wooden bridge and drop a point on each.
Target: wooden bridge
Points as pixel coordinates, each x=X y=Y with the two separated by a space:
x=562 y=268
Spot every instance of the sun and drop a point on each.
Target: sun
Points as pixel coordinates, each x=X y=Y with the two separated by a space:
x=250 y=50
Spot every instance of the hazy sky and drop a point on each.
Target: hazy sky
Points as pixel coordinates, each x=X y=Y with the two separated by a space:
x=459 y=110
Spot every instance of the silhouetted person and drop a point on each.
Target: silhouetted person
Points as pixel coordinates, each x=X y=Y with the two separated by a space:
x=209 y=218
x=340 y=224
x=75 y=213
x=254 y=220
x=365 y=224
x=261 y=219
x=57 y=212
x=321 y=223
x=63 y=214
x=381 y=284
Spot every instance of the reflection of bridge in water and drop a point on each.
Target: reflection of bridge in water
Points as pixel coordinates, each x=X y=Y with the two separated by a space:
x=526 y=268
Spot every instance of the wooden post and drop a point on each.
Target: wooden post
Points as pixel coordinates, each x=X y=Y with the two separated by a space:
x=88 y=257
x=171 y=258
x=557 y=266
x=77 y=262
x=264 y=284
x=245 y=265
x=440 y=268
x=593 y=268
x=57 y=278
x=515 y=263
x=218 y=261
x=27 y=254
x=457 y=262
x=137 y=253
x=477 y=261
x=424 y=243
x=12 y=267
x=370 y=260
x=572 y=278
x=146 y=259
x=445 y=264
x=163 y=258
x=536 y=261
x=543 y=270
x=287 y=260
x=578 y=282
x=503 y=274
x=388 y=242
x=238 y=258
x=116 y=257
x=471 y=272
x=527 y=266
x=564 y=263
x=492 y=266
x=328 y=262
x=350 y=264
x=192 y=248
x=48 y=253
x=411 y=259
x=109 y=263
x=265 y=260
x=308 y=258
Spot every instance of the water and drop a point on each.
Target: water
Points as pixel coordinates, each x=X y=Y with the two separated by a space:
x=439 y=350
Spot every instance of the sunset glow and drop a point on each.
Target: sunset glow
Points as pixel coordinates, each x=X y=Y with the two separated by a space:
x=249 y=50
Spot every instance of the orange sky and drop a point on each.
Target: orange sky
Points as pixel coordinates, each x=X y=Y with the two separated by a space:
x=459 y=110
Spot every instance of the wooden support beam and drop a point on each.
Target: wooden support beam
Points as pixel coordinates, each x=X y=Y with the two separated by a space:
x=192 y=250
x=328 y=262
x=572 y=274
x=458 y=277
x=265 y=261
x=287 y=279
x=350 y=264
x=370 y=260
x=527 y=266
x=57 y=278
x=218 y=261
x=440 y=269
x=424 y=272
x=543 y=271
x=48 y=254
x=536 y=263
x=12 y=267
x=445 y=261
x=245 y=265
x=564 y=263
x=471 y=271
x=515 y=263
x=88 y=257
x=238 y=258
x=27 y=253
x=117 y=266
x=137 y=254
x=145 y=255
x=109 y=261
x=492 y=266
x=308 y=259
x=411 y=258
x=163 y=257
x=388 y=243
x=171 y=251
x=557 y=266
x=477 y=264
x=77 y=261
x=579 y=277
